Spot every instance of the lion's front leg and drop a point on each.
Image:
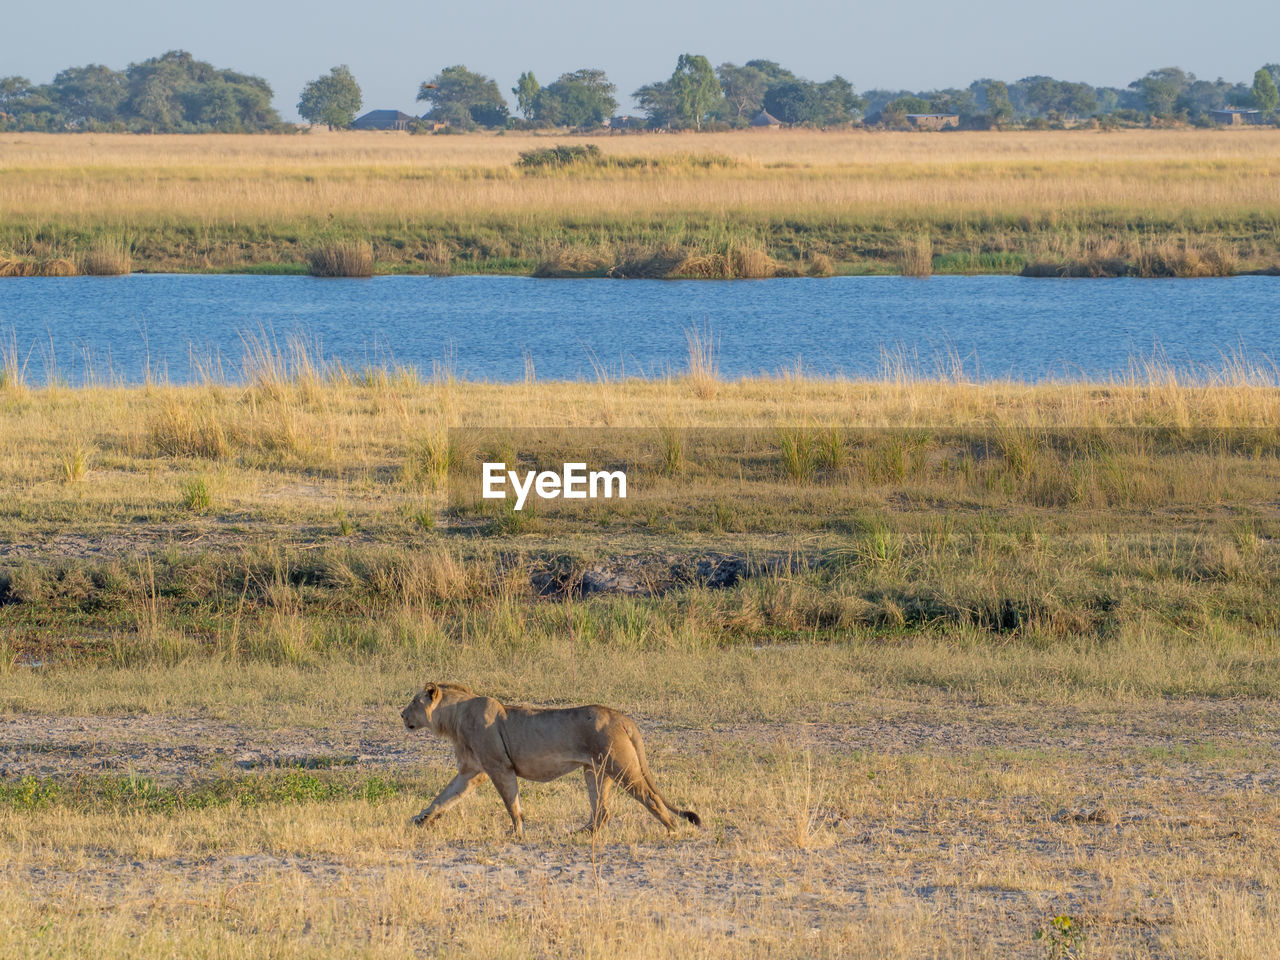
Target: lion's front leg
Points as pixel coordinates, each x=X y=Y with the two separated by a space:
x=455 y=790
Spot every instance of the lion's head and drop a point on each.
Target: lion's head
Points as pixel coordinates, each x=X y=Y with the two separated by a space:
x=418 y=713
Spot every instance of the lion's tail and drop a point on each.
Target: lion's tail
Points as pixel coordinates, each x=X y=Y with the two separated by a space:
x=633 y=733
x=688 y=815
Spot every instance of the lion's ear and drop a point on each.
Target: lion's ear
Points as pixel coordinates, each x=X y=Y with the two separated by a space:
x=433 y=693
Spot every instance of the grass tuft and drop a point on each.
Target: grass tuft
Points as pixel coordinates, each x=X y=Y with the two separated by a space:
x=106 y=258
x=915 y=256
x=704 y=361
x=341 y=258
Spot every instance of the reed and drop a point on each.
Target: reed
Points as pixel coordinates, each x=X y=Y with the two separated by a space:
x=734 y=262
x=13 y=367
x=915 y=257
x=341 y=258
x=1078 y=256
x=565 y=260
x=106 y=258
x=48 y=267
x=704 y=361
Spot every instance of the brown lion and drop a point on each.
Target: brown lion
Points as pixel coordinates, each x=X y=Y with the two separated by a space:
x=537 y=743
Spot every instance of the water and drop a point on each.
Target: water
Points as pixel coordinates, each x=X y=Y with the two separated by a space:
x=90 y=328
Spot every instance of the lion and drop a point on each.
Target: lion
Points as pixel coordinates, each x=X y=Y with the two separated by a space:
x=538 y=743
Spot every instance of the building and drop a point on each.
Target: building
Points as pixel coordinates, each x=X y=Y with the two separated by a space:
x=933 y=121
x=624 y=122
x=1235 y=116
x=764 y=120
x=383 y=120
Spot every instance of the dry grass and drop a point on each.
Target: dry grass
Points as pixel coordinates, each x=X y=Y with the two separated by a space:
x=436 y=198
x=835 y=824
x=1029 y=678
x=106 y=258
x=1076 y=256
x=915 y=259
x=704 y=361
x=47 y=267
x=561 y=260
x=736 y=262
x=342 y=258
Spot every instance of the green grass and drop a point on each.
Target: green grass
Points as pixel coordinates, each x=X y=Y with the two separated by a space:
x=499 y=244
x=142 y=795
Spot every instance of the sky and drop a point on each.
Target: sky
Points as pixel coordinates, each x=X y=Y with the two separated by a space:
x=393 y=45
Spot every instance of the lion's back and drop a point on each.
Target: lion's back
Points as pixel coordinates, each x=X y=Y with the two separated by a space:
x=585 y=732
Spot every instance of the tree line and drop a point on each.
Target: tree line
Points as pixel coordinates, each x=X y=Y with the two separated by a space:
x=172 y=93
x=175 y=93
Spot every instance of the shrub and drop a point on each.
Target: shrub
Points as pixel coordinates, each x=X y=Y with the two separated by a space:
x=559 y=156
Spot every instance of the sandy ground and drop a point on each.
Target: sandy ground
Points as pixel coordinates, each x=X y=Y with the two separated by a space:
x=170 y=748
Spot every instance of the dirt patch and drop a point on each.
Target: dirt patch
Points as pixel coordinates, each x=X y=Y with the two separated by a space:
x=653 y=575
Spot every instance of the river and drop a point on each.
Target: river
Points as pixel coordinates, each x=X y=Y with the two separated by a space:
x=184 y=327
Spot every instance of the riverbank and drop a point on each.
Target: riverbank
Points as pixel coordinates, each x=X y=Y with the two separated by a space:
x=1080 y=203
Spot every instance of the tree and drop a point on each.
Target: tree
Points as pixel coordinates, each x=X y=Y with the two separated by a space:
x=177 y=93
x=526 y=91
x=1201 y=96
x=28 y=107
x=1266 y=97
x=694 y=89
x=999 y=106
x=1161 y=88
x=153 y=91
x=895 y=112
x=171 y=93
x=15 y=94
x=836 y=103
x=743 y=89
x=1077 y=99
x=583 y=98
x=89 y=95
x=963 y=103
x=774 y=74
x=333 y=99
x=658 y=102
x=460 y=98
x=794 y=101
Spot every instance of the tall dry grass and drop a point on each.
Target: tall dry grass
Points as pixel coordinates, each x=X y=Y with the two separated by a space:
x=372 y=179
x=915 y=256
x=32 y=267
x=1079 y=256
x=341 y=258
x=704 y=361
x=106 y=257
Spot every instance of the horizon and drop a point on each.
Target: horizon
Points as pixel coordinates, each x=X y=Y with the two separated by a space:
x=940 y=48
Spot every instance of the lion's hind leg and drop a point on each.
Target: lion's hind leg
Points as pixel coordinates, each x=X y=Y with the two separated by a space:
x=599 y=786
x=636 y=784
